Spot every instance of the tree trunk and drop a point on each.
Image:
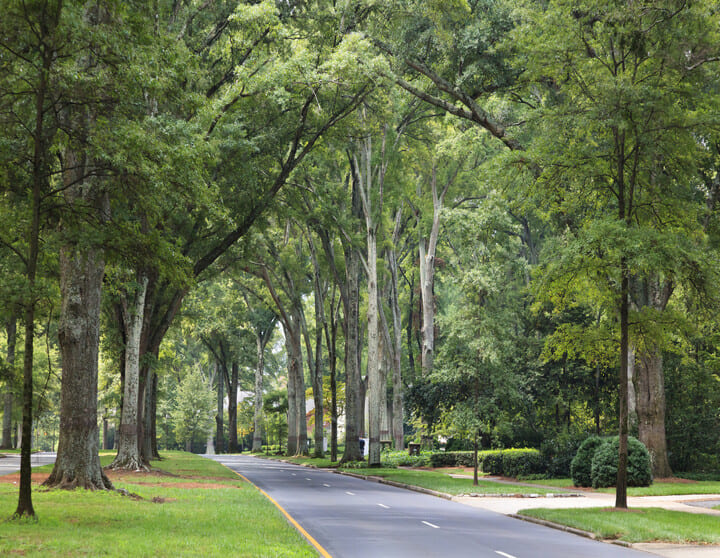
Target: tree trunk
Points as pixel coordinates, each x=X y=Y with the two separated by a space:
x=354 y=401
x=232 y=409
x=133 y=306
x=651 y=410
x=78 y=463
x=398 y=434
x=332 y=356
x=292 y=364
x=632 y=398
x=317 y=371
x=258 y=411
x=8 y=396
x=219 y=416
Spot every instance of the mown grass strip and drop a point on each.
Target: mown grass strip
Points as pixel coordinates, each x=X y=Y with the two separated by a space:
x=441 y=482
x=636 y=524
x=230 y=519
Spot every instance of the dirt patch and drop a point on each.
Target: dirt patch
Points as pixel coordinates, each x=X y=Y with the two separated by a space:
x=14 y=478
x=675 y=480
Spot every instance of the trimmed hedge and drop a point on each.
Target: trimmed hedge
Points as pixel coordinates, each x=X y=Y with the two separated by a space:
x=581 y=465
x=510 y=462
x=604 y=464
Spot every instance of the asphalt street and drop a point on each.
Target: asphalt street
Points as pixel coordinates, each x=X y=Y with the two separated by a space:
x=351 y=517
x=11 y=463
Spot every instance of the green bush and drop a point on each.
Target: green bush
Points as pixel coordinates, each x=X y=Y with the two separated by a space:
x=604 y=464
x=581 y=465
x=520 y=462
x=404 y=459
x=451 y=459
x=510 y=462
x=491 y=462
x=558 y=453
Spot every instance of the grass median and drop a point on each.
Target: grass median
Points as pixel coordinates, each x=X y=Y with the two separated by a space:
x=187 y=506
x=636 y=524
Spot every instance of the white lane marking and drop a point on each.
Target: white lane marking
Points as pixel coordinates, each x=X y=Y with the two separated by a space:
x=384 y=506
x=504 y=554
x=350 y=493
x=308 y=478
x=326 y=485
x=431 y=525
x=294 y=475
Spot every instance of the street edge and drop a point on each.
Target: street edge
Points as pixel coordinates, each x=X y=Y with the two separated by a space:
x=324 y=553
x=571 y=530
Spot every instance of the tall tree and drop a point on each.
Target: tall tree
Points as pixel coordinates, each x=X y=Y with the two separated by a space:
x=619 y=169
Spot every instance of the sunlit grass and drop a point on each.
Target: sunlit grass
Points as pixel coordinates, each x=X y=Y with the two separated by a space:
x=637 y=524
x=231 y=519
x=441 y=482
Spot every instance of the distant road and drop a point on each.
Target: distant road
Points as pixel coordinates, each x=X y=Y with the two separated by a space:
x=11 y=463
x=352 y=518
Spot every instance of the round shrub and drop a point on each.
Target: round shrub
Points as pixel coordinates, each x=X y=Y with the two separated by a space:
x=604 y=464
x=581 y=465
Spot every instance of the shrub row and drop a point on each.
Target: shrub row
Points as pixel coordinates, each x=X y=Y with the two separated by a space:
x=509 y=462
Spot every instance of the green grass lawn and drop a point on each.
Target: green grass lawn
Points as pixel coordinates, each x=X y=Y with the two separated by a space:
x=441 y=482
x=230 y=519
x=302 y=460
x=638 y=524
x=655 y=489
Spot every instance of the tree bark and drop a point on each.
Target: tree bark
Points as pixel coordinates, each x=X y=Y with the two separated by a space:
x=133 y=307
x=258 y=414
x=292 y=364
x=220 y=373
x=232 y=409
x=78 y=464
x=650 y=383
x=8 y=396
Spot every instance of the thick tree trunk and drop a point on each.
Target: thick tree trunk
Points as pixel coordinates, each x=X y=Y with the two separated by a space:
x=650 y=379
x=8 y=396
x=258 y=411
x=292 y=365
x=397 y=385
x=77 y=463
x=354 y=401
x=133 y=306
x=651 y=410
x=232 y=409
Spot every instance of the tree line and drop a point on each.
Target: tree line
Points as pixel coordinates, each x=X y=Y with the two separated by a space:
x=486 y=217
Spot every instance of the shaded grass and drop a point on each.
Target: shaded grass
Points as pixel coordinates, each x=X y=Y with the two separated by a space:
x=671 y=488
x=235 y=520
x=303 y=460
x=441 y=482
x=655 y=489
x=637 y=525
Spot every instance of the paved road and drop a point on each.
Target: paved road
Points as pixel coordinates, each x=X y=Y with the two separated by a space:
x=11 y=463
x=351 y=517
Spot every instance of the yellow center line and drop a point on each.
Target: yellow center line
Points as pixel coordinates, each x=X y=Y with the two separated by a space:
x=324 y=553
